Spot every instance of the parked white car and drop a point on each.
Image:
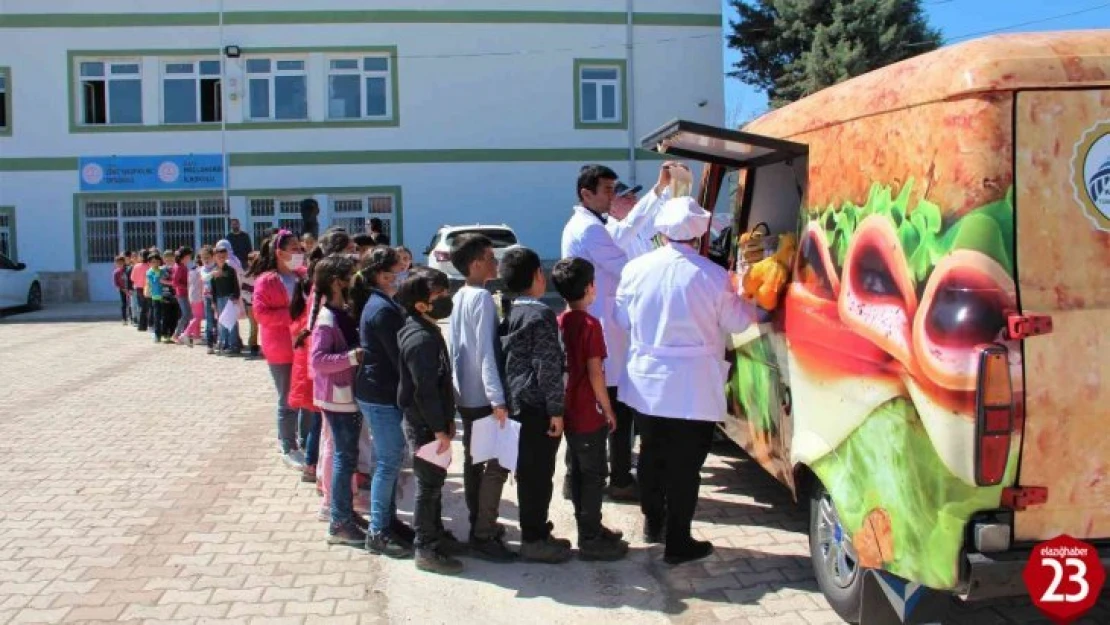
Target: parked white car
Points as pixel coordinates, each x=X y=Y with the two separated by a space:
x=18 y=285
x=439 y=249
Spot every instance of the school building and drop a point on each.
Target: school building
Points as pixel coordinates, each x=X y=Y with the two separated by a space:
x=131 y=123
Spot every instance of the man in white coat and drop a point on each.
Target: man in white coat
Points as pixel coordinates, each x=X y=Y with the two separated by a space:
x=678 y=308
x=585 y=236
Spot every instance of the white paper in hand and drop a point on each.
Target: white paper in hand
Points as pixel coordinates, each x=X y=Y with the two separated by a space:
x=229 y=316
x=490 y=441
x=428 y=453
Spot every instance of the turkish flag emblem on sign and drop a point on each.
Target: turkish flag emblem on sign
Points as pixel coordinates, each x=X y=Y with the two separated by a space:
x=1064 y=577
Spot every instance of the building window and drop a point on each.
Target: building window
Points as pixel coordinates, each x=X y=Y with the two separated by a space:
x=599 y=94
x=114 y=226
x=191 y=92
x=360 y=88
x=111 y=92
x=269 y=213
x=5 y=101
x=277 y=89
x=7 y=233
x=354 y=213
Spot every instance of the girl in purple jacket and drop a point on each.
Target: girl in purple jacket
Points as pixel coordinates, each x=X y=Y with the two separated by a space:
x=334 y=355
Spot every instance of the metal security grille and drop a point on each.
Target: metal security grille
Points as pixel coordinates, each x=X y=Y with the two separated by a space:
x=270 y=213
x=5 y=236
x=354 y=213
x=111 y=227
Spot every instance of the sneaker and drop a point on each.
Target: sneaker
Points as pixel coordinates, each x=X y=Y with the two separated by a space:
x=609 y=534
x=449 y=545
x=492 y=550
x=626 y=494
x=190 y=341
x=348 y=535
x=294 y=459
x=432 y=561
x=693 y=550
x=211 y=351
x=383 y=544
x=546 y=551
x=308 y=475
x=558 y=541
x=324 y=513
x=601 y=549
x=361 y=522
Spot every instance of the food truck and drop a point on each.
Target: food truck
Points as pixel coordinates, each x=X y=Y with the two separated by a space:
x=929 y=248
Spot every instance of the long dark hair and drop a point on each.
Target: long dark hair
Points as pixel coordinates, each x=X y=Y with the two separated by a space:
x=267 y=253
x=375 y=263
x=327 y=272
x=333 y=241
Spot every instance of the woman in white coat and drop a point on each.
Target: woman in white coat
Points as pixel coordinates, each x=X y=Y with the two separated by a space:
x=678 y=308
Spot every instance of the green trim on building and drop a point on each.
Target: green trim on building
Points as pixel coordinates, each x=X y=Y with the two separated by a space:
x=72 y=57
x=622 y=65
x=265 y=18
x=13 y=243
x=6 y=129
x=373 y=157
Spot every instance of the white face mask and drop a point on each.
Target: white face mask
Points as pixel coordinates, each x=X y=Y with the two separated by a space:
x=296 y=261
x=398 y=278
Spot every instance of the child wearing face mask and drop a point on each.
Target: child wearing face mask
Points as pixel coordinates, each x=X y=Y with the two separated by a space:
x=196 y=296
x=278 y=272
x=405 y=265
x=180 y=279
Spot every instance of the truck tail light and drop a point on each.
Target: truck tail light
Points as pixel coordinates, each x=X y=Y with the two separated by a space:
x=994 y=423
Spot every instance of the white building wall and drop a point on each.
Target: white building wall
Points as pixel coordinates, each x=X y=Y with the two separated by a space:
x=474 y=87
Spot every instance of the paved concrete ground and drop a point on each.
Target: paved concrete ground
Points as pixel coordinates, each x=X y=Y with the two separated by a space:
x=142 y=484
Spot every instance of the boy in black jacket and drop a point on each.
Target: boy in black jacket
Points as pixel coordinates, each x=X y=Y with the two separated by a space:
x=534 y=364
x=426 y=396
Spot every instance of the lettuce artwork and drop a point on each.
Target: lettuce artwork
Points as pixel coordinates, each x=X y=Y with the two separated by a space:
x=753 y=385
x=890 y=465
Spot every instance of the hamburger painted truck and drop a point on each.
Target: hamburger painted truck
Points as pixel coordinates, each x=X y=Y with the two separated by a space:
x=931 y=370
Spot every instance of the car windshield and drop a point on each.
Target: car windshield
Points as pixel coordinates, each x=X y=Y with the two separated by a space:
x=499 y=236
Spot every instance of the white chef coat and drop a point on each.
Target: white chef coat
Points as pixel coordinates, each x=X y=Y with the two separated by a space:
x=679 y=310
x=634 y=233
x=585 y=236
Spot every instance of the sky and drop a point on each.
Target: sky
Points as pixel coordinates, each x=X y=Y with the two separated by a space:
x=956 y=19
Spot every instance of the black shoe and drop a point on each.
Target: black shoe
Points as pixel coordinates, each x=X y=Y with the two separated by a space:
x=629 y=493
x=612 y=535
x=693 y=550
x=601 y=549
x=384 y=544
x=492 y=550
x=432 y=561
x=562 y=542
x=348 y=534
x=361 y=521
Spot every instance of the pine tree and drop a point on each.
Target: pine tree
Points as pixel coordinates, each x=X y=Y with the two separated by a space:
x=792 y=48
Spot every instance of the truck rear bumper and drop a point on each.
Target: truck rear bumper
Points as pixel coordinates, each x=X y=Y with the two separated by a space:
x=998 y=575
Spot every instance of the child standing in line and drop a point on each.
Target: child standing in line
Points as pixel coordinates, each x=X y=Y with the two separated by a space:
x=196 y=301
x=142 y=297
x=207 y=269
x=120 y=282
x=154 y=289
x=129 y=264
x=476 y=369
x=249 y=279
x=589 y=415
x=405 y=256
x=426 y=398
x=225 y=290
x=300 y=382
x=334 y=356
x=534 y=374
x=183 y=258
x=169 y=297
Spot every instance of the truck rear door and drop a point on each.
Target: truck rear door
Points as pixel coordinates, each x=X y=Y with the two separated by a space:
x=1062 y=196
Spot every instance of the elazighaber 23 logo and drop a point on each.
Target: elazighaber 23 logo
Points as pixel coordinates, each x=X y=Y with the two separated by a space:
x=1090 y=177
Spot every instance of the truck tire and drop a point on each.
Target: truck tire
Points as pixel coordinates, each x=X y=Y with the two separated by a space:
x=835 y=566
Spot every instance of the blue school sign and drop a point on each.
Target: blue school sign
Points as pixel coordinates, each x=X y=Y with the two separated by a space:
x=182 y=172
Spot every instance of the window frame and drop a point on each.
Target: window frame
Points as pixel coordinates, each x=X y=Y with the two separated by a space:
x=107 y=78
x=216 y=209
x=196 y=76
x=8 y=213
x=365 y=214
x=271 y=78
x=360 y=58
x=290 y=219
x=6 y=89
x=621 y=93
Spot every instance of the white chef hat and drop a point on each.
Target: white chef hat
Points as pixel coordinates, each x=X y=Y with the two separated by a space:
x=681 y=219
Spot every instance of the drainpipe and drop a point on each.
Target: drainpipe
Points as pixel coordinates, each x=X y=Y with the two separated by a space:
x=631 y=99
x=223 y=111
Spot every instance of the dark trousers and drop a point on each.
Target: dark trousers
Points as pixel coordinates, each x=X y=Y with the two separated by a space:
x=345 y=430
x=620 y=443
x=672 y=452
x=311 y=433
x=535 y=470
x=210 y=323
x=588 y=470
x=427 y=513
x=170 y=313
x=124 y=306
x=483 y=482
x=156 y=312
x=144 y=312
